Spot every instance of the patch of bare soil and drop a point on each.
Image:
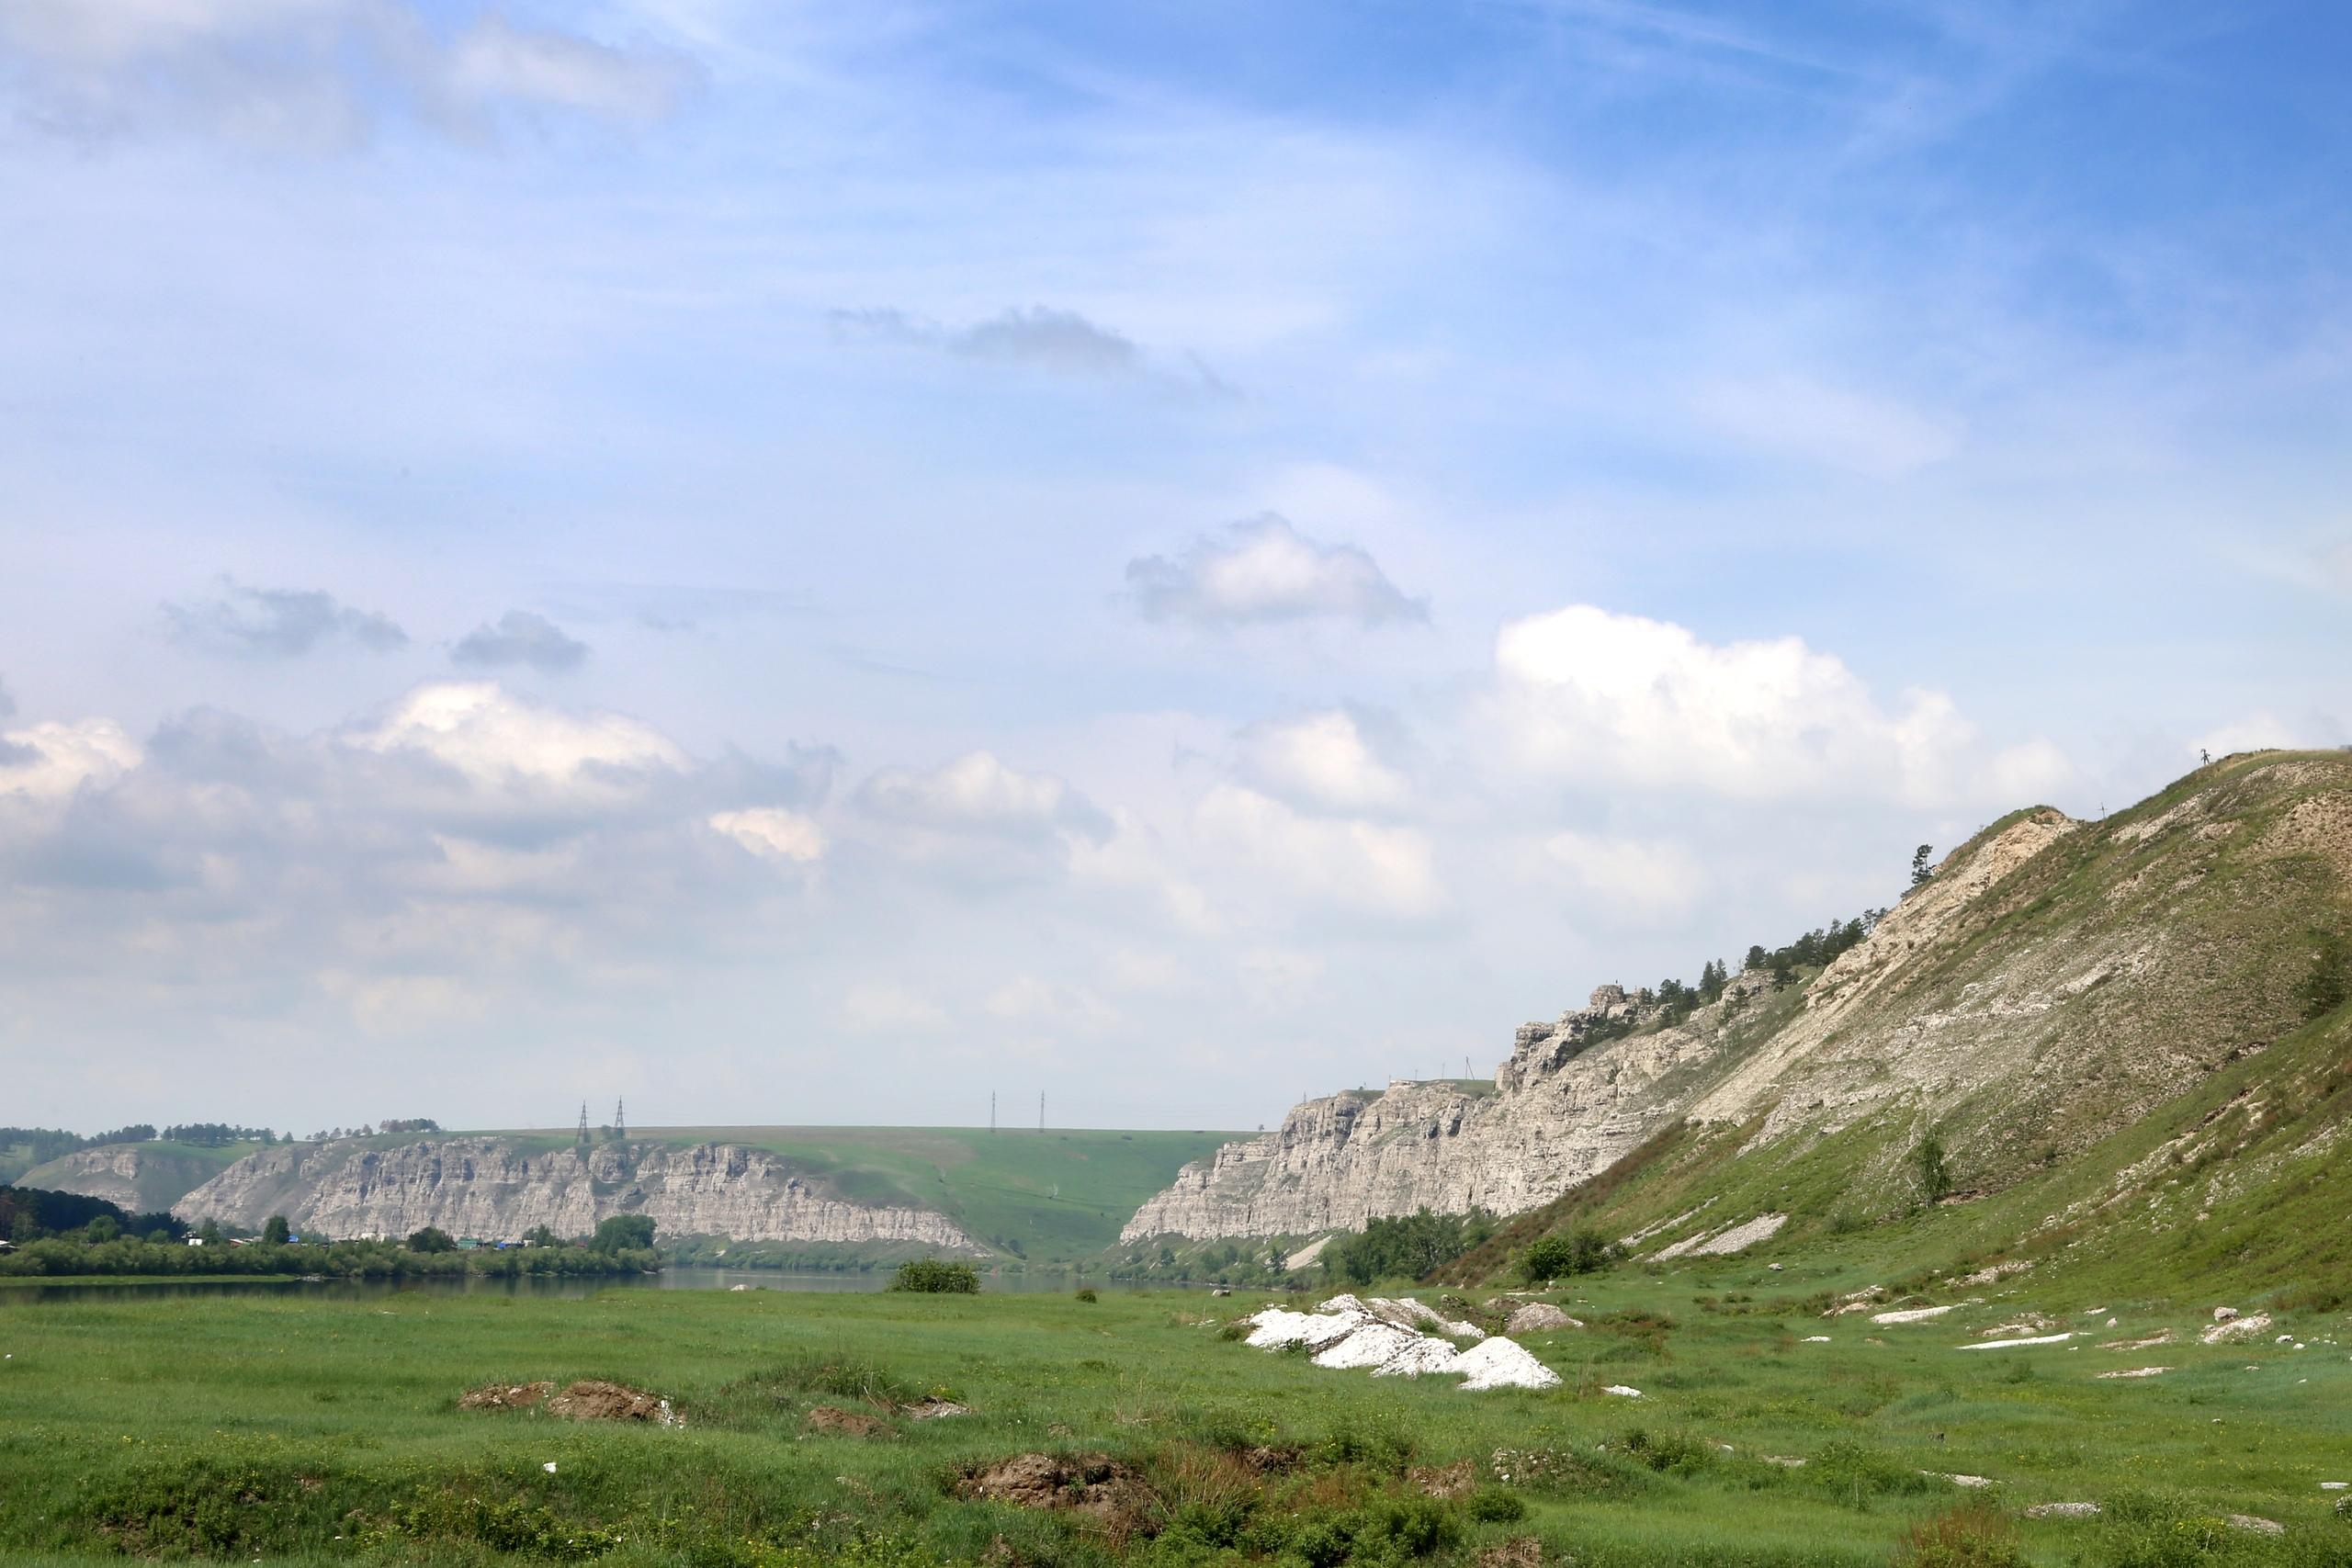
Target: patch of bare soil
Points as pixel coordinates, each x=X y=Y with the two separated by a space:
x=506 y=1396
x=1455 y=1479
x=1518 y=1552
x=590 y=1400
x=1094 y=1485
x=832 y=1420
x=930 y=1407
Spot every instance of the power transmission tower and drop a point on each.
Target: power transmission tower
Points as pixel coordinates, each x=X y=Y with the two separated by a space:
x=620 y=1120
x=583 y=1124
x=991 y=1112
x=1041 y=1111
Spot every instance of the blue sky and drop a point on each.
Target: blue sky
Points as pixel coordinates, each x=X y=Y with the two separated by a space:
x=807 y=564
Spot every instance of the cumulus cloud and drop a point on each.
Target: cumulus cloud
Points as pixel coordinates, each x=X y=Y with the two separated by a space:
x=277 y=622
x=1653 y=877
x=1353 y=866
x=2264 y=730
x=312 y=74
x=49 y=762
x=494 y=739
x=1321 y=760
x=1588 y=697
x=975 y=794
x=520 y=637
x=1265 y=570
x=773 y=833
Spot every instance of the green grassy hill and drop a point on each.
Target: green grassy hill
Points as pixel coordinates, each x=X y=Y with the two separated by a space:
x=144 y=1177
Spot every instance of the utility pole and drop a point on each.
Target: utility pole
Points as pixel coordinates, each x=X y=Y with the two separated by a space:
x=1041 y=1111
x=991 y=1113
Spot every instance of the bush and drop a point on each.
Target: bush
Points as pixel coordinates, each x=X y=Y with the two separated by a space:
x=431 y=1238
x=1494 y=1506
x=1086 y=1293
x=1971 y=1536
x=932 y=1277
x=1405 y=1247
x=622 y=1231
x=1584 y=1251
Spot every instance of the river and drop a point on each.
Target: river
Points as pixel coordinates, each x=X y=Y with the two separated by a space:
x=27 y=1293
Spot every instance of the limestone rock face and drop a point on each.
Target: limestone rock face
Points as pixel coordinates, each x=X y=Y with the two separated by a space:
x=1564 y=1111
x=497 y=1189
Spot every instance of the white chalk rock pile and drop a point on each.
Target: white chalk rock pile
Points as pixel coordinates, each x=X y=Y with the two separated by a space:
x=1381 y=1335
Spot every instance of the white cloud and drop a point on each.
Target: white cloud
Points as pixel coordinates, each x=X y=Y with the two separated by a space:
x=1588 y=697
x=2259 y=731
x=774 y=834
x=1321 y=760
x=1355 y=866
x=1265 y=570
x=48 y=763
x=496 y=740
x=1793 y=417
x=978 y=795
x=1650 y=877
x=495 y=61
x=521 y=637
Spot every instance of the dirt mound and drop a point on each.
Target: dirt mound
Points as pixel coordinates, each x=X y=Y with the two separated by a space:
x=930 y=1407
x=1455 y=1479
x=1093 y=1485
x=506 y=1396
x=833 y=1420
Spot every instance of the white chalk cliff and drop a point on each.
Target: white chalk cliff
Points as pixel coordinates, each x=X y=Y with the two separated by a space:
x=497 y=1189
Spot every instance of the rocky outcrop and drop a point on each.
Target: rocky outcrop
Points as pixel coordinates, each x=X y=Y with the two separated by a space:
x=1579 y=1092
x=497 y=1189
x=1567 y=1105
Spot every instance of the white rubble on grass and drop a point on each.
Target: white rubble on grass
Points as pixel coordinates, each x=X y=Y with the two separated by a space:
x=1763 y=1227
x=2255 y=1523
x=1498 y=1362
x=1427 y=1353
x=1621 y=1392
x=2009 y=1344
x=1345 y=1302
x=1368 y=1346
x=1406 y=1312
x=1916 y=1314
x=2333 y=1485
x=1959 y=1479
x=1276 y=1328
x=2137 y=1372
x=2225 y=1329
x=2224 y=1314
x=1817 y=1339
x=2062 y=1511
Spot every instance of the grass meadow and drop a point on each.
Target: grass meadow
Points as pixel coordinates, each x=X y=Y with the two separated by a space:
x=298 y=1430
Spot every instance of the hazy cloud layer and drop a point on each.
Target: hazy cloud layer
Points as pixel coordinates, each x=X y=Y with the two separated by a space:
x=310 y=74
x=1264 y=570
x=521 y=637
x=277 y=622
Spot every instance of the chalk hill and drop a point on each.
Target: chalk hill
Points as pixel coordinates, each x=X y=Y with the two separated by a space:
x=2134 y=1016
x=1048 y=1197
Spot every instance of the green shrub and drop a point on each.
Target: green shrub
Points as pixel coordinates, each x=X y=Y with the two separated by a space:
x=932 y=1277
x=1583 y=1251
x=1086 y=1293
x=1495 y=1505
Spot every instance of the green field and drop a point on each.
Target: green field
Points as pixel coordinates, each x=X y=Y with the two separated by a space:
x=1051 y=1198
x=302 y=1429
x=168 y=1171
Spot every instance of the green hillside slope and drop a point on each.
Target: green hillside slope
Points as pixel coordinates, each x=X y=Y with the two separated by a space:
x=2163 y=996
x=144 y=1177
